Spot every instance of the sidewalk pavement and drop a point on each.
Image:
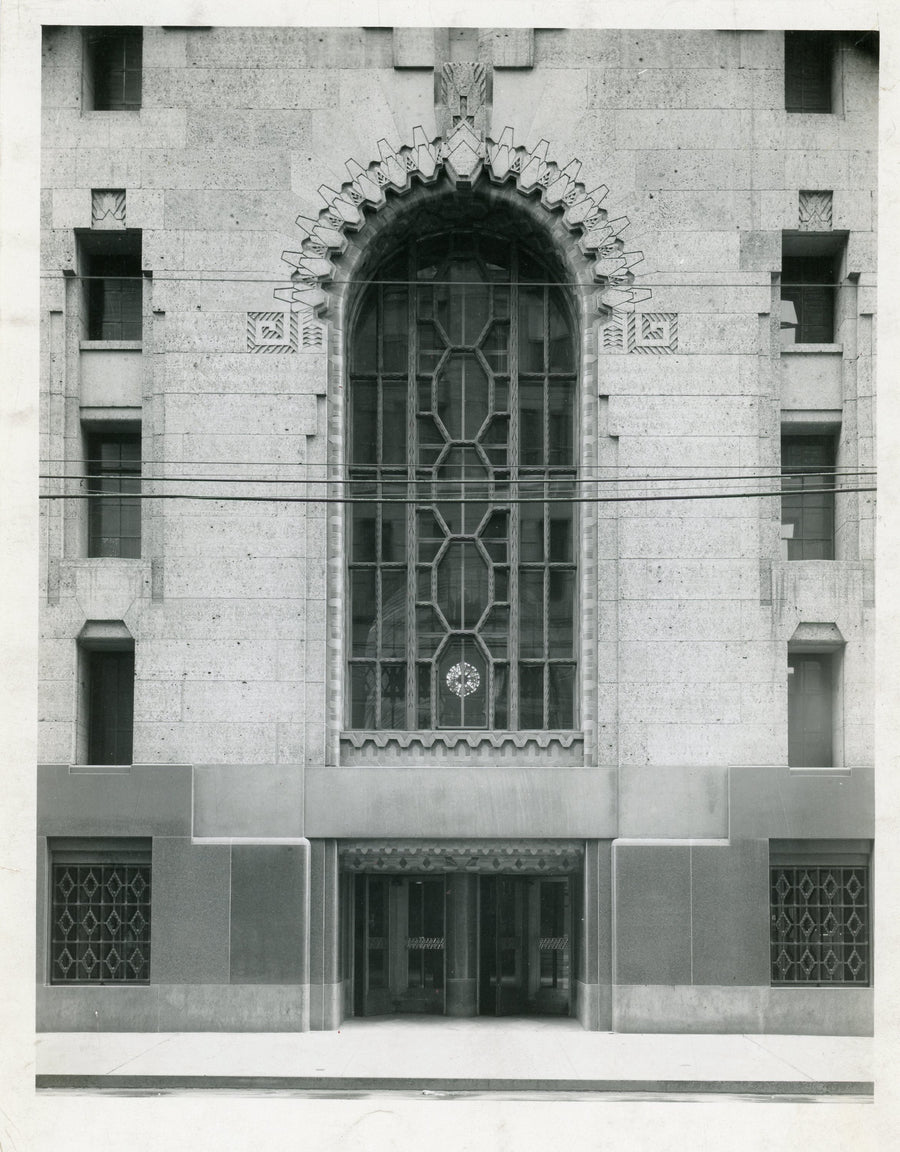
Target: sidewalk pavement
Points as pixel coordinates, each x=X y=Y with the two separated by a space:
x=450 y=1056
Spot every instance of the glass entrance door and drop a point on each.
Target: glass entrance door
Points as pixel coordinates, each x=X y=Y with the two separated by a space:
x=525 y=953
x=399 y=958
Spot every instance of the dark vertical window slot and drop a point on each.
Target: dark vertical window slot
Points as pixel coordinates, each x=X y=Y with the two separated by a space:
x=810 y=284
x=808 y=69
x=807 y=501
x=810 y=710
x=114 y=294
x=115 y=62
x=114 y=484
x=110 y=706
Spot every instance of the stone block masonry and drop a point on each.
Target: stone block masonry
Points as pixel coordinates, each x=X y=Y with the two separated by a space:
x=271 y=172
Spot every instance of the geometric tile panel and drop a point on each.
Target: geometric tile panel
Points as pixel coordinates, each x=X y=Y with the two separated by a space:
x=485 y=857
x=108 y=208
x=271 y=332
x=643 y=332
x=815 y=211
x=820 y=925
x=100 y=924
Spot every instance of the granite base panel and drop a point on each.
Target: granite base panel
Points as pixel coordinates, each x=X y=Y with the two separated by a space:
x=755 y=1010
x=593 y=1006
x=326 y=1003
x=176 y=1008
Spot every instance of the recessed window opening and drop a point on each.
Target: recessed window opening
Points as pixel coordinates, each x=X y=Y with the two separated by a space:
x=811 y=271
x=100 y=913
x=113 y=69
x=811 y=698
x=114 y=510
x=462 y=452
x=112 y=273
x=808 y=71
x=820 y=907
x=106 y=654
x=807 y=502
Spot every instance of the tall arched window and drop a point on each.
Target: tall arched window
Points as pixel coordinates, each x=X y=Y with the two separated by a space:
x=462 y=453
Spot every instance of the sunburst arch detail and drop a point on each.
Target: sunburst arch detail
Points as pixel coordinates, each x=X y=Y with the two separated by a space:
x=465 y=158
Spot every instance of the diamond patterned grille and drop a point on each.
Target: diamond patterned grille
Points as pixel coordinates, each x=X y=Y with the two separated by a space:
x=100 y=923
x=819 y=925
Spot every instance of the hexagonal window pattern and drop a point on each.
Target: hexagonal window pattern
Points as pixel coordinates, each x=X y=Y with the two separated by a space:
x=100 y=919
x=820 y=924
x=461 y=440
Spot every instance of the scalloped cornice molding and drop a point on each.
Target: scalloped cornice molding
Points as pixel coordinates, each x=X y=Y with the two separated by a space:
x=466 y=157
x=387 y=739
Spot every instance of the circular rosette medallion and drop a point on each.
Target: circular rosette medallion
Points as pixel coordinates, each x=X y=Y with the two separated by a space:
x=462 y=679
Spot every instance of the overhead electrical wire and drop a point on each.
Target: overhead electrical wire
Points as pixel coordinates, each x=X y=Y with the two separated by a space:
x=462 y=482
x=419 y=502
x=329 y=282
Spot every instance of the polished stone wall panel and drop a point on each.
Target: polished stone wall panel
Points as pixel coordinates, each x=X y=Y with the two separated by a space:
x=268 y=916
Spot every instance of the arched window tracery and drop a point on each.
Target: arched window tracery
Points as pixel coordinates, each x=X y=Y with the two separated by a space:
x=462 y=457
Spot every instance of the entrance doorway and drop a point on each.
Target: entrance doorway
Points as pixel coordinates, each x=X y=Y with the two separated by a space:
x=403 y=934
x=524 y=954
x=399 y=935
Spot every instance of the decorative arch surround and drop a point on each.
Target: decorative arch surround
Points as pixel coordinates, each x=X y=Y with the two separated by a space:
x=465 y=158
x=344 y=244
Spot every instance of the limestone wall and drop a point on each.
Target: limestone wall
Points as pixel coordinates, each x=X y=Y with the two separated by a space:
x=236 y=609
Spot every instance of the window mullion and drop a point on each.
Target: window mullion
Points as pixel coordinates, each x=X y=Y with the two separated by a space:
x=379 y=495
x=412 y=668
x=515 y=489
x=545 y=519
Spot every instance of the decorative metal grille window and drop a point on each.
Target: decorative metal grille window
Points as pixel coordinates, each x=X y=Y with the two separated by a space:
x=808 y=463
x=820 y=924
x=462 y=447
x=114 y=512
x=810 y=710
x=100 y=918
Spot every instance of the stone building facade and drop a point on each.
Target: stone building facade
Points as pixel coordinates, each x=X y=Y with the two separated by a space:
x=456 y=578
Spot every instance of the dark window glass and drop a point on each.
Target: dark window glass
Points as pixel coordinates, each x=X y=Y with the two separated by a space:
x=820 y=925
x=808 y=63
x=110 y=706
x=462 y=399
x=810 y=710
x=114 y=510
x=115 y=63
x=810 y=283
x=100 y=919
x=114 y=296
x=807 y=465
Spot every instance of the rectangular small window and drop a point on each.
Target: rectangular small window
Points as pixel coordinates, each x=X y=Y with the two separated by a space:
x=110 y=705
x=808 y=71
x=810 y=710
x=114 y=67
x=819 y=916
x=100 y=914
x=114 y=481
x=807 y=502
x=114 y=292
x=809 y=283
